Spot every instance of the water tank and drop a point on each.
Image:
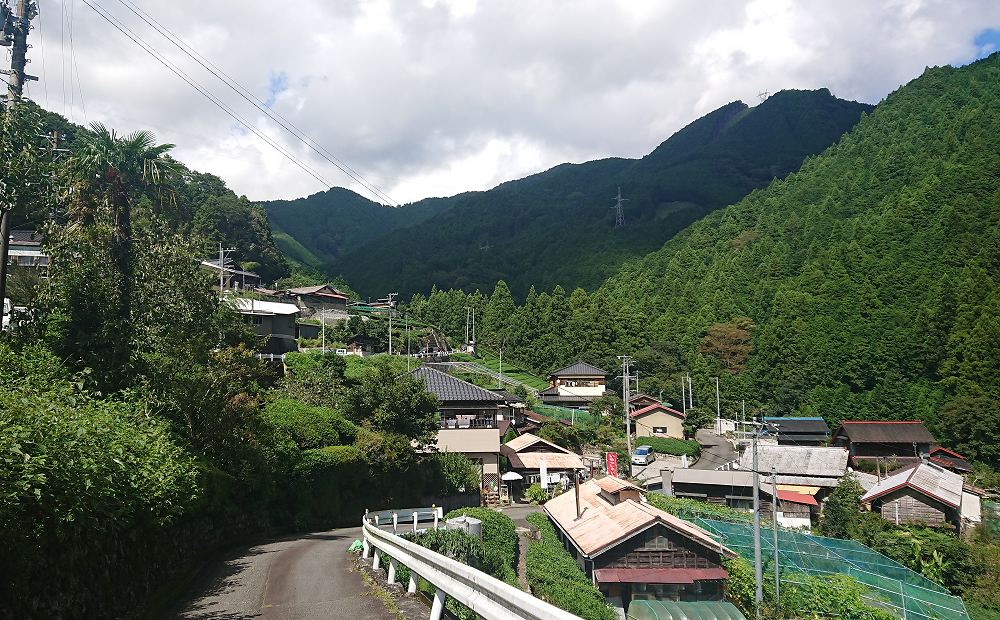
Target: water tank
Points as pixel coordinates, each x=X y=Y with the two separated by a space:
x=469 y=525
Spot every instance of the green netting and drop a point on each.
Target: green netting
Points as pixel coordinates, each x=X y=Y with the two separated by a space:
x=681 y=610
x=891 y=585
x=562 y=413
x=991 y=518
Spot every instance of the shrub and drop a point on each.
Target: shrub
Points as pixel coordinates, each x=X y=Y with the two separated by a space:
x=556 y=578
x=536 y=494
x=499 y=540
x=669 y=445
x=460 y=474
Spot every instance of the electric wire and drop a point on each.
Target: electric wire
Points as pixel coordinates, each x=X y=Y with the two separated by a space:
x=74 y=66
x=208 y=95
x=256 y=102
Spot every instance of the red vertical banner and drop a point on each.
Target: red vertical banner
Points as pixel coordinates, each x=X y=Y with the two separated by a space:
x=612 y=460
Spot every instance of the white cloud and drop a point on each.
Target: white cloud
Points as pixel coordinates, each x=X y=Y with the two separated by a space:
x=443 y=96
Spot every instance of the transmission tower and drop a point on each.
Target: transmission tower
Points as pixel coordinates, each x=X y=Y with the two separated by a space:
x=762 y=96
x=620 y=211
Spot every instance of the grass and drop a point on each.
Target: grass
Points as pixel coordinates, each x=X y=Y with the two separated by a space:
x=509 y=370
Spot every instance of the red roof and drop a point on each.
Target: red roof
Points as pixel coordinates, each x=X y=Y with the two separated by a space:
x=658 y=575
x=650 y=408
x=954 y=454
x=797 y=498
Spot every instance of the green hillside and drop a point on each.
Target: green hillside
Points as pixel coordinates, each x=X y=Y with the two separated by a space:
x=325 y=226
x=557 y=227
x=868 y=281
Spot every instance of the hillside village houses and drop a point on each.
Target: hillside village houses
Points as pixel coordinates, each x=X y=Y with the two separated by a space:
x=574 y=385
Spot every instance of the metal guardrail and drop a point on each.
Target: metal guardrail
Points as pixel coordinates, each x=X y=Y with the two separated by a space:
x=489 y=597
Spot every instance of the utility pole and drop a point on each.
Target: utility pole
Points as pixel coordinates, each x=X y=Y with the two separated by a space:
x=627 y=407
x=774 y=525
x=15 y=32
x=391 y=295
x=324 y=328
x=684 y=402
x=407 y=317
x=222 y=267
x=690 y=393
x=500 y=374
x=473 y=327
x=620 y=211
x=718 y=409
x=467 y=308
x=757 y=567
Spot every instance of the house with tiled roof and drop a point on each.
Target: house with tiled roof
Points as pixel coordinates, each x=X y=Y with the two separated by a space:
x=468 y=419
x=950 y=460
x=658 y=420
x=906 y=441
x=527 y=453
x=574 y=385
x=800 y=431
x=314 y=300
x=632 y=551
x=24 y=249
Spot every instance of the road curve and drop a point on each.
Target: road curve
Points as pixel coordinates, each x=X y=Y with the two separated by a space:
x=715 y=450
x=307 y=577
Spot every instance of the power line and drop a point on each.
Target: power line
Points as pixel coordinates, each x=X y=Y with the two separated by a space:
x=208 y=95
x=254 y=101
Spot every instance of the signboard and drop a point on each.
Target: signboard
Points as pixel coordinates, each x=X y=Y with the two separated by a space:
x=544 y=477
x=612 y=460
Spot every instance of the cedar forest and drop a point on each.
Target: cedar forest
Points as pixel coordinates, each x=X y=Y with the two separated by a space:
x=137 y=423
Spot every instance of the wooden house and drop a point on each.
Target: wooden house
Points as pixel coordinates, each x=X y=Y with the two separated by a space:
x=921 y=493
x=800 y=431
x=642 y=400
x=949 y=460
x=734 y=488
x=907 y=442
x=230 y=276
x=312 y=300
x=658 y=420
x=633 y=551
x=527 y=453
x=574 y=385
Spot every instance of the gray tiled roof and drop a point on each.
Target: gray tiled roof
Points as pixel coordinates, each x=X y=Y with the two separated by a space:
x=578 y=369
x=885 y=432
x=448 y=388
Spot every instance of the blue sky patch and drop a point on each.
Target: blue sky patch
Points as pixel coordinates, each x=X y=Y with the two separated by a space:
x=278 y=85
x=987 y=42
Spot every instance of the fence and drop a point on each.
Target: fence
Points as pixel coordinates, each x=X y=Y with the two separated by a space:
x=575 y=416
x=489 y=597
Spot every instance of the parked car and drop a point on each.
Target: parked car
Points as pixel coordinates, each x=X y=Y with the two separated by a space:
x=643 y=455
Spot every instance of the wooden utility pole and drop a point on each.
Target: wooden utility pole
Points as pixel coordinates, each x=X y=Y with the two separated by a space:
x=15 y=27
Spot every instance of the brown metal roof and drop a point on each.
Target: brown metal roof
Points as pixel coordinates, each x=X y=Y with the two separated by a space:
x=885 y=432
x=553 y=460
x=527 y=440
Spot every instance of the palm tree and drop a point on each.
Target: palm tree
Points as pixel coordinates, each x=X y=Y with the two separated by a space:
x=114 y=170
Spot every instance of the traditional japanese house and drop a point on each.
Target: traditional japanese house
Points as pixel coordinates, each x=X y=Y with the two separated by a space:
x=950 y=460
x=527 y=453
x=642 y=400
x=907 y=442
x=271 y=319
x=468 y=420
x=313 y=300
x=658 y=420
x=800 y=431
x=808 y=470
x=634 y=551
x=920 y=493
x=574 y=385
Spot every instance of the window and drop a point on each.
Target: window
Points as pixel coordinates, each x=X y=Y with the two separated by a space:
x=26 y=261
x=656 y=539
x=660 y=430
x=258 y=320
x=291 y=321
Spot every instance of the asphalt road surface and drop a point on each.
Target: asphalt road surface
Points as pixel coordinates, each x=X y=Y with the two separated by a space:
x=715 y=450
x=302 y=578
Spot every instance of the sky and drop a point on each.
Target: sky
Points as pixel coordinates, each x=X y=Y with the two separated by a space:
x=434 y=97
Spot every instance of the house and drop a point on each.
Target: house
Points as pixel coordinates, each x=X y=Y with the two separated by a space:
x=468 y=418
x=633 y=551
x=808 y=470
x=527 y=453
x=574 y=385
x=920 y=493
x=642 y=400
x=949 y=460
x=231 y=276
x=364 y=346
x=658 y=420
x=800 y=431
x=734 y=488
x=24 y=249
x=511 y=408
x=272 y=319
x=907 y=441
x=307 y=330
x=312 y=300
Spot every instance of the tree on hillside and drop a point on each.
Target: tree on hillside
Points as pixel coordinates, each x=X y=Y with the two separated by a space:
x=729 y=343
x=971 y=425
x=386 y=403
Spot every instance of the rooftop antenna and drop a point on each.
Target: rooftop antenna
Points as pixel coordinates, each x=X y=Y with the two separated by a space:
x=620 y=211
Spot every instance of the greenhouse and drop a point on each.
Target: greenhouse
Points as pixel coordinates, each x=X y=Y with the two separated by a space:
x=891 y=585
x=680 y=610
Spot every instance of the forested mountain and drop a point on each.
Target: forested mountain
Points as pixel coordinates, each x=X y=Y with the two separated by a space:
x=322 y=227
x=558 y=227
x=864 y=286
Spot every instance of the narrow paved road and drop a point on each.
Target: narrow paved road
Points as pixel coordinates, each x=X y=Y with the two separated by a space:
x=715 y=450
x=303 y=578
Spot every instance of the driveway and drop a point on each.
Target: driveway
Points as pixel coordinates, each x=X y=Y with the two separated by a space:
x=715 y=450
x=307 y=577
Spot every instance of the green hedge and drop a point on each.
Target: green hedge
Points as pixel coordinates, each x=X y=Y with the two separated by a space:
x=669 y=445
x=556 y=578
x=499 y=539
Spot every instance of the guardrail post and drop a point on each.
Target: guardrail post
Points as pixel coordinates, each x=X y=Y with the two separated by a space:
x=412 y=587
x=395 y=521
x=435 y=516
x=375 y=560
x=438 y=606
x=392 y=570
x=414 y=522
x=365 y=547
